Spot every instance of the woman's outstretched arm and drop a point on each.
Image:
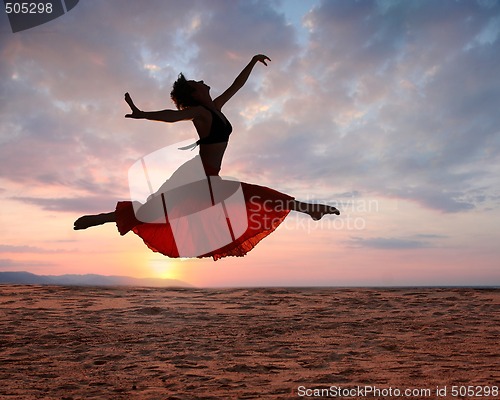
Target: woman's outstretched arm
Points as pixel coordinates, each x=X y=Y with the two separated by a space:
x=163 y=115
x=240 y=80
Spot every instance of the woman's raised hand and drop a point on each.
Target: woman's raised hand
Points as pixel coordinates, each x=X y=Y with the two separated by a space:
x=136 y=113
x=261 y=58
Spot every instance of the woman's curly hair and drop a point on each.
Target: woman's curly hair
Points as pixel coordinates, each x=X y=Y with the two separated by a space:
x=181 y=93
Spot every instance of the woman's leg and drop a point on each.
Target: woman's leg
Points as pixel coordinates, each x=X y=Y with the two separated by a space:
x=315 y=211
x=93 y=220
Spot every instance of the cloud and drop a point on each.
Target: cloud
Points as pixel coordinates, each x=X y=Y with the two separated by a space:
x=385 y=97
x=235 y=31
x=78 y=204
x=436 y=198
x=9 y=263
x=379 y=99
x=393 y=243
x=27 y=249
x=407 y=114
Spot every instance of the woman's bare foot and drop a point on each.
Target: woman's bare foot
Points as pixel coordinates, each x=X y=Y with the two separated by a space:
x=129 y=101
x=315 y=211
x=88 y=221
x=136 y=113
x=319 y=210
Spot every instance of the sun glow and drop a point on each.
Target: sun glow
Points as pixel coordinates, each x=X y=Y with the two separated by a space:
x=164 y=269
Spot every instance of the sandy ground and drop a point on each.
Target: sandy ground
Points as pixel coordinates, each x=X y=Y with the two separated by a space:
x=140 y=343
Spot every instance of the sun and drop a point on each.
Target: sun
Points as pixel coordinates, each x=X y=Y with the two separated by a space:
x=163 y=269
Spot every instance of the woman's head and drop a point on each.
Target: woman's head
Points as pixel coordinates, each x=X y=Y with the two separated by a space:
x=187 y=93
x=182 y=93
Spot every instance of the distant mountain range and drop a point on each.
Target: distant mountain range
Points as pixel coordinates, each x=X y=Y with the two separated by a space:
x=27 y=278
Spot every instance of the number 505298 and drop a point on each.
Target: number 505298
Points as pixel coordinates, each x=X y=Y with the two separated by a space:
x=28 y=8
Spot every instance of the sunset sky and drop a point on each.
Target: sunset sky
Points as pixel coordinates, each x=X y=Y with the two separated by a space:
x=389 y=110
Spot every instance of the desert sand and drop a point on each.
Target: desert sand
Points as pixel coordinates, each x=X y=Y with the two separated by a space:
x=144 y=343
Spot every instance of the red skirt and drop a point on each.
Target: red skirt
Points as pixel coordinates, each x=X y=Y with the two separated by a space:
x=215 y=232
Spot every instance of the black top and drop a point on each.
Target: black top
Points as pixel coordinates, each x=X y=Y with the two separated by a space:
x=219 y=131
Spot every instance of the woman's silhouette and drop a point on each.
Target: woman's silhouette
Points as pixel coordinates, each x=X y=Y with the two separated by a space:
x=265 y=208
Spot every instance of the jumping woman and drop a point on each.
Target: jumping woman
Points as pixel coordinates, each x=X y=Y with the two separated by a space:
x=265 y=208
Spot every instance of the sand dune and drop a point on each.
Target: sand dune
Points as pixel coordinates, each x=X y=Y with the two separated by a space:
x=142 y=343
